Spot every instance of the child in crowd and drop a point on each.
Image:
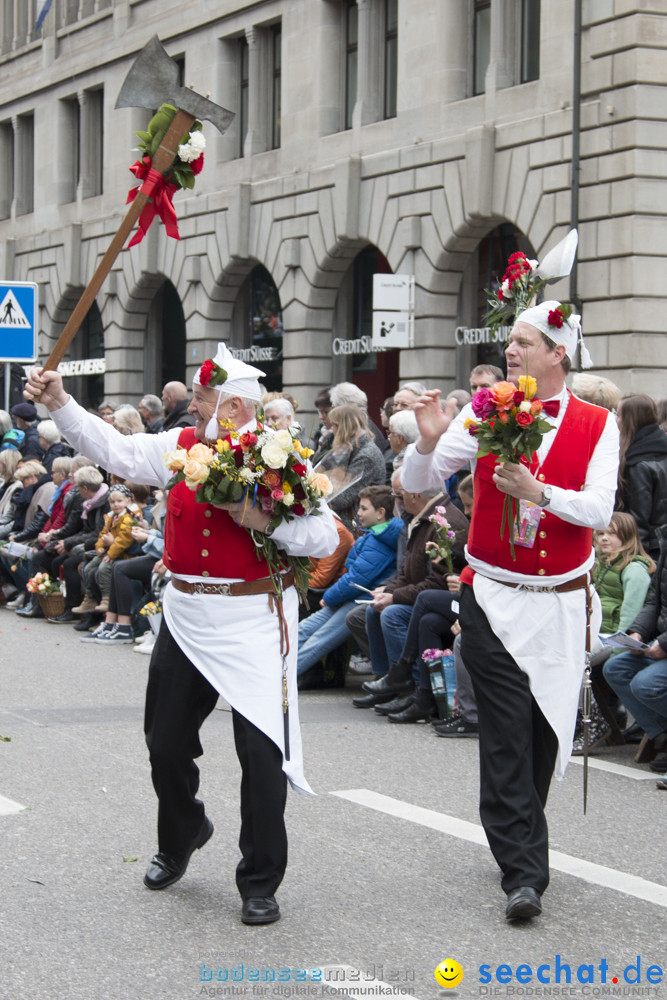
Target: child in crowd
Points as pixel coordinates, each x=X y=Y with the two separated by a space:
x=371 y=559
x=113 y=541
x=621 y=576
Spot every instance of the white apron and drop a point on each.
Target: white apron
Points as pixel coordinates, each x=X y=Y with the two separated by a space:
x=546 y=635
x=235 y=643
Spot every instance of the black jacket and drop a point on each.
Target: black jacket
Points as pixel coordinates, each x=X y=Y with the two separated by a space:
x=90 y=525
x=179 y=417
x=644 y=494
x=651 y=622
x=57 y=450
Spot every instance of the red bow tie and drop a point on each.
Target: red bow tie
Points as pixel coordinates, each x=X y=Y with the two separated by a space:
x=551 y=407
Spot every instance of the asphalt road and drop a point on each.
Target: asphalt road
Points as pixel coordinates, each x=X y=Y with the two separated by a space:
x=389 y=873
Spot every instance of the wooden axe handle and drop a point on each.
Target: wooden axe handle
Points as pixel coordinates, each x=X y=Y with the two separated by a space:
x=163 y=159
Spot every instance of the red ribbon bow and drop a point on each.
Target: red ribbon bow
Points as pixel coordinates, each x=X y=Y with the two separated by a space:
x=161 y=192
x=551 y=407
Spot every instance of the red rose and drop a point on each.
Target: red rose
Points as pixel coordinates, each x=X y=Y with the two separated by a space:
x=297 y=509
x=299 y=469
x=247 y=441
x=518 y=397
x=238 y=457
x=197 y=164
x=524 y=419
x=555 y=318
x=299 y=492
x=206 y=371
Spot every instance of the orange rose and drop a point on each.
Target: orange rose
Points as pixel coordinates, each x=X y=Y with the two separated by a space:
x=502 y=394
x=502 y=417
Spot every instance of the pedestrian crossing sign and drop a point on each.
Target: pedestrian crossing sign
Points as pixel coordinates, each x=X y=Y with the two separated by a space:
x=18 y=326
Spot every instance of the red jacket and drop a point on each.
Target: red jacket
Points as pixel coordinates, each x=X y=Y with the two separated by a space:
x=559 y=546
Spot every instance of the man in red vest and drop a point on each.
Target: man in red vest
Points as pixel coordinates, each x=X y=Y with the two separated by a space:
x=524 y=621
x=220 y=633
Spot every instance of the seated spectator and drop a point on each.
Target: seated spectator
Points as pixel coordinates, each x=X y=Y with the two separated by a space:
x=175 y=400
x=325 y=571
x=25 y=417
x=106 y=410
x=460 y=396
x=403 y=430
x=642 y=472
x=353 y=453
x=621 y=577
x=5 y=422
x=388 y=617
x=279 y=414
x=117 y=624
x=597 y=390
x=127 y=420
x=640 y=678
x=113 y=542
x=150 y=411
x=13 y=441
x=348 y=394
x=484 y=376
x=51 y=443
x=323 y=436
x=371 y=559
x=9 y=461
x=408 y=394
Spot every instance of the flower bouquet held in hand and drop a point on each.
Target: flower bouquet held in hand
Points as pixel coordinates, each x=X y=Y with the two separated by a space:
x=524 y=279
x=508 y=423
x=442 y=673
x=445 y=537
x=264 y=467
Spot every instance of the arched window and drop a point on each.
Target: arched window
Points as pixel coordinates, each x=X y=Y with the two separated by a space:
x=257 y=327
x=164 y=345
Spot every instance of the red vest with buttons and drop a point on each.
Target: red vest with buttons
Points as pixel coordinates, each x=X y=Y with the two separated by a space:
x=201 y=540
x=559 y=546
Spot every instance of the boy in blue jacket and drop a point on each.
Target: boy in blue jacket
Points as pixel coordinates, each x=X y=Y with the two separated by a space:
x=371 y=560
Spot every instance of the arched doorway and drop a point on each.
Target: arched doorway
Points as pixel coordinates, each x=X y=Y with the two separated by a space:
x=257 y=327
x=88 y=344
x=164 y=340
x=475 y=345
x=376 y=372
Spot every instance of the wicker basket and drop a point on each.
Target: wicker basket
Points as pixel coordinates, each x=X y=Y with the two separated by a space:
x=52 y=604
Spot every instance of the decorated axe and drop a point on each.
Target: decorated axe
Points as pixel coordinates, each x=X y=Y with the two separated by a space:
x=151 y=82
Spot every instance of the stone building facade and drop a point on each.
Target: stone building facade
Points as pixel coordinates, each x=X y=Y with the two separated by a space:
x=420 y=137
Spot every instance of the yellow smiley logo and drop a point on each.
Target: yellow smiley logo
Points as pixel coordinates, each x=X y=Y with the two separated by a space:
x=449 y=973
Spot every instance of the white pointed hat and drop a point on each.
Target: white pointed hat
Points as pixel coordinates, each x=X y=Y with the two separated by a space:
x=552 y=319
x=230 y=375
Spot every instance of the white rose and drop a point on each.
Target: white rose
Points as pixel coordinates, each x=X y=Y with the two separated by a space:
x=247 y=475
x=525 y=406
x=284 y=439
x=506 y=290
x=288 y=499
x=274 y=456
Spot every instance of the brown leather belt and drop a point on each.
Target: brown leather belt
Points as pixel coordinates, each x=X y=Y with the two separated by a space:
x=263 y=586
x=579 y=583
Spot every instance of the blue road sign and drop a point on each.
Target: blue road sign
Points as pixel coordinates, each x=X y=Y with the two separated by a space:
x=18 y=321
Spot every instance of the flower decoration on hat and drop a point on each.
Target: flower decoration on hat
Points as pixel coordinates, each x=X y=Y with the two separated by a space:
x=212 y=374
x=560 y=315
x=161 y=189
x=524 y=279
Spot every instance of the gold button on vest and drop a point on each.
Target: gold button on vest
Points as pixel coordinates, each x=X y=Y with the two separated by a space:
x=208 y=513
x=204 y=552
x=206 y=532
x=205 y=572
x=543 y=534
x=543 y=554
x=541 y=572
x=541 y=477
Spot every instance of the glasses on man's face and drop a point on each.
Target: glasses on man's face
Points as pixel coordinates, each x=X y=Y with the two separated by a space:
x=397 y=496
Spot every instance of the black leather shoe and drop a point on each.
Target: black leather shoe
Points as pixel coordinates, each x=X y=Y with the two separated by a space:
x=164 y=869
x=398 y=680
x=369 y=700
x=260 y=910
x=398 y=704
x=413 y=713
x=523 y=903
x=66 y=618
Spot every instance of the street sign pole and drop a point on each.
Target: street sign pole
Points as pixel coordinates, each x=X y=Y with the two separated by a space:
x=18 y=326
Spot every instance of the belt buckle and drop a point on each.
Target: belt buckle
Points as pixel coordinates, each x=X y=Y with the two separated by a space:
x=536 y=588
x=224 y=588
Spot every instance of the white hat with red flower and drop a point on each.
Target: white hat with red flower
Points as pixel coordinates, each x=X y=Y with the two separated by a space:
x=557 y=322
x=230 y=375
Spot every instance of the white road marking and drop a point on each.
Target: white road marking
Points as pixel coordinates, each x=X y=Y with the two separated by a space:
x=608 y=878
x=8 y=808
x=622 y=769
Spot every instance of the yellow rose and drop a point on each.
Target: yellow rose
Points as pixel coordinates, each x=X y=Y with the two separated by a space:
x=468 y=423
x=306 y=452
x=175 y=460
x=201 y=453
x=286 y=487
x=195 y=472
x=222 y=446
x=527 y=385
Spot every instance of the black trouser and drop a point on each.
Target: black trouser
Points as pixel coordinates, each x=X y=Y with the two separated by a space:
x=429 y=628
x=124 y=572
x=178 y=699
x=517 y=753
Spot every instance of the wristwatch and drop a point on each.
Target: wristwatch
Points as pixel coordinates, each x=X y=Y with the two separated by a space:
x=269 y=529
x=546 y=496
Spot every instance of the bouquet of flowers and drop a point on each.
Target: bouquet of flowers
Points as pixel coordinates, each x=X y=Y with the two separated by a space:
x=151 y=608
x=445 y=535
x=42 y=585
x=508 y=424
x=524 y=279
x=266 y=467
x=442 y=673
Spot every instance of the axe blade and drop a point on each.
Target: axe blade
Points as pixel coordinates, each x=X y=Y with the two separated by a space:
x=153 y=80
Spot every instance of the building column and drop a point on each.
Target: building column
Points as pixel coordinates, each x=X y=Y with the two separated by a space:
x=255 y=141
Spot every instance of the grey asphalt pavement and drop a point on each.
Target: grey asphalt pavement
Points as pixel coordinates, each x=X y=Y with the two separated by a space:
x=388 y=874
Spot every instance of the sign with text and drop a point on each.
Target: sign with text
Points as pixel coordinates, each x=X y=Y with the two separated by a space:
x=18 y=321
x=393 y=310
